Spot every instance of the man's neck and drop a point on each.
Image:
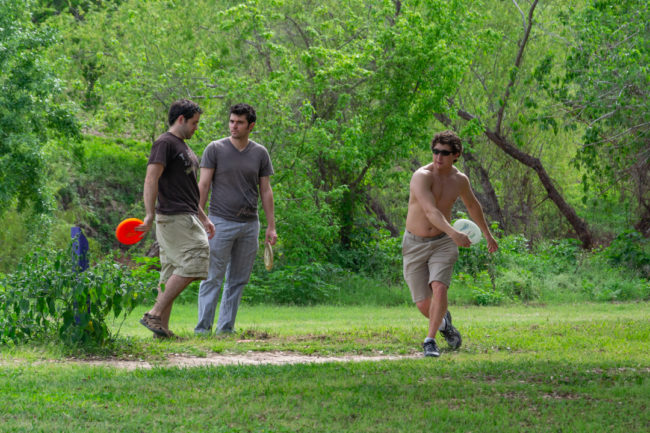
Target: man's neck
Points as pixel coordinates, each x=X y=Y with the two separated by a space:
x=173 y=131
x=446 y=171
x=239 y=143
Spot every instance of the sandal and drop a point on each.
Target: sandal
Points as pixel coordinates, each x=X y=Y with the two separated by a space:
x=153 y=324
x=170 y=336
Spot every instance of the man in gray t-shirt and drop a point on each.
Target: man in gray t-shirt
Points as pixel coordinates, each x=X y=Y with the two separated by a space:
x=238 y=171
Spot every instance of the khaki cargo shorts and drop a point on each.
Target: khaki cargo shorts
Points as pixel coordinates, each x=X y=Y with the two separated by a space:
x=427 y=260
x=184 y=248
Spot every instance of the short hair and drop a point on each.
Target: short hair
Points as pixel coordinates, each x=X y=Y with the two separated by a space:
x=244 y=110
x=449 y=138
x=182 y=107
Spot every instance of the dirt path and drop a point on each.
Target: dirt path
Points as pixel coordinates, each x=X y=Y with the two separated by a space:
x=249 y=358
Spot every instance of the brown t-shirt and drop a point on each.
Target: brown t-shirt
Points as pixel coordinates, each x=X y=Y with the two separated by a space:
x=236 y=178
x=178 y=191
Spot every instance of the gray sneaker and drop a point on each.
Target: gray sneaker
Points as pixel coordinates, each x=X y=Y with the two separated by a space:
x=431 y=348
x=451 y=334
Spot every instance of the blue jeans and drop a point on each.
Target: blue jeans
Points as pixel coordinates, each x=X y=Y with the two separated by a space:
x=233 y=249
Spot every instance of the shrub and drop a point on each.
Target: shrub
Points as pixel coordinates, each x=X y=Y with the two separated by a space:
x=378 y=255
x=518 y=284
x=557 y=255
x=48 y=294
x=609 y=284
x=631 y=250
x=481 y=287
x=293 y=285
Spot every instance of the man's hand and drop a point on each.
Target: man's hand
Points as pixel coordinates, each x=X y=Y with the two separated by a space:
x=207 y=225
x=146 y=224
x=209 y=229
x=492 y=244
x=460 y=239
x=271 y=236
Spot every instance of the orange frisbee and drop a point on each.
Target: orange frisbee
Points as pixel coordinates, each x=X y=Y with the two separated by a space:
x=125 y=231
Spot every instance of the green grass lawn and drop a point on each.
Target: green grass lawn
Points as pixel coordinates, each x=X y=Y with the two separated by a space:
x=570 y=368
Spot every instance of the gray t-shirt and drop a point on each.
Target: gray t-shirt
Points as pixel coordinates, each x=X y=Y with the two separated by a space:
x=236 y=178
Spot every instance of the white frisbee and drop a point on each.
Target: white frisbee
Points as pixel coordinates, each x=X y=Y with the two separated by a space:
x=470 y=229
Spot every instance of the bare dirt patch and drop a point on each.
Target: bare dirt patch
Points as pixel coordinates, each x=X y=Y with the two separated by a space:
x=249 y=358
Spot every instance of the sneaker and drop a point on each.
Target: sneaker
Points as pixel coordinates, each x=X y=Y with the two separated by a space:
x=451 y=334
x=431 y=348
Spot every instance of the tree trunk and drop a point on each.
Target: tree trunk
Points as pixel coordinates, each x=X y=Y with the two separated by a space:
x=379 y=212
x=492 y=207
x=500 y=141
x=565 y=208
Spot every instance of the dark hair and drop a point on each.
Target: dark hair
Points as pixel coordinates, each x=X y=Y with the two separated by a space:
x=182 y=107
x=450 y=139
x=244 y=109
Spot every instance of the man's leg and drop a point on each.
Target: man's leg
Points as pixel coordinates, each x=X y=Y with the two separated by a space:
x=434 y=308
x=165 y=315
x=220 y=250
x=175 y=285
x=158 y=316
x=437 y=307
x=243 y=255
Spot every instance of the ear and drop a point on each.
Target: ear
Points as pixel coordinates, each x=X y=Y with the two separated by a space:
x=251 y=126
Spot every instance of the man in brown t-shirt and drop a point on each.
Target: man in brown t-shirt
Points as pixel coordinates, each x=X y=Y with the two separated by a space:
x=182 y=228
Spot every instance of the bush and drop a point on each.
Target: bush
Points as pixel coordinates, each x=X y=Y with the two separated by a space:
x=377 y=255
x=47 y=294
x=480 y=287
x=293 y=285
x=631 y=250
x=518 y=284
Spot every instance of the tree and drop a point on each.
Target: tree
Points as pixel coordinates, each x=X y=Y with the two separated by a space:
x=606 y=88
x=512 y=133
x=29 y=110
x=342 y=91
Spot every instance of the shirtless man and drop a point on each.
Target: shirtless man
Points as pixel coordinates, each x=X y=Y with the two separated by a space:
x=430 y=244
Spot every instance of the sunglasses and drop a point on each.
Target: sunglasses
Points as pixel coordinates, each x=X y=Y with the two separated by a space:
x=442 y=152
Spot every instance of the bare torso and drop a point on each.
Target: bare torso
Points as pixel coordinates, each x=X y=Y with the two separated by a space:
x=445 y=187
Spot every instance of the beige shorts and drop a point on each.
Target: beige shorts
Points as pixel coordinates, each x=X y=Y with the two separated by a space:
x=184 y=248
x=427 y=260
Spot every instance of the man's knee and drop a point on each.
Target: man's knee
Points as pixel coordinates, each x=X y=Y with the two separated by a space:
x=423 y=306
x=438 y=288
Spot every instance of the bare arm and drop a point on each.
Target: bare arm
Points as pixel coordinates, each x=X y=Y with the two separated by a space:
x=421 y=190
x=266 y=193
x=205 y=183
x=150 y=194
x=476 y=214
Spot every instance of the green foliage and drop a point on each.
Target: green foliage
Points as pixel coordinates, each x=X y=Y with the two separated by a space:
x=42 y=9
x=372 y=252
x=606 y=85
x=97 y=182
x=47 y=295
x=107 y=184
x=14 y=240
x=340 y=90
x=481 y=288
x=294 y=285
x=630 y=250
x=304 y=220
x=29 y=109
x=519 y=285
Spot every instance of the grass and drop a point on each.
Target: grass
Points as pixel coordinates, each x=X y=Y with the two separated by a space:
x=578 y=368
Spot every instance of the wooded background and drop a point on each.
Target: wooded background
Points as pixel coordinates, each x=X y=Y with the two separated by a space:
x=550 y=97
